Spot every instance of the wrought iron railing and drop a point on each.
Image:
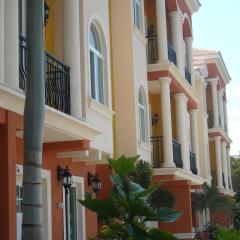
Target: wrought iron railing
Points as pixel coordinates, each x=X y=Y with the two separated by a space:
x=188 y=76
x=171 y=54
x=193 y=165
x=223 y=180
x=177 y=154
x=210 y=119
x=57 y=79
x=152 y=50
x=157 y=151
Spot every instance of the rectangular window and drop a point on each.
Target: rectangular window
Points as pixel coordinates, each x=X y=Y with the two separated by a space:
x=137 y=11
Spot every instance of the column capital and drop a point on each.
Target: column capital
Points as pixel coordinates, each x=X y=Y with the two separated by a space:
x=188 y=39
x=192 y=111
x=213 y=81
x=174 y=14
x=180 y=96
x=217 y=138
x=164 y=80
x=224 y=143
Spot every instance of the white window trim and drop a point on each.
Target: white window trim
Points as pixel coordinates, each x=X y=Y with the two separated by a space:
x=96 y=55
x=46 y=174
x=81 y=233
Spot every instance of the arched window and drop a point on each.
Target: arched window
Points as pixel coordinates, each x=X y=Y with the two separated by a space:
x=143 y=116
x=96 y=65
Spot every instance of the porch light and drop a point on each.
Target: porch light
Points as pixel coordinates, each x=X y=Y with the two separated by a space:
x=65 y=177
x=95 y=182
x=155 y=119
x=46 y=13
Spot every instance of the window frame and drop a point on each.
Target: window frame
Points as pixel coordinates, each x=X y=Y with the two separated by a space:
x=143 y=120
x=98 y=55
x=138 y=16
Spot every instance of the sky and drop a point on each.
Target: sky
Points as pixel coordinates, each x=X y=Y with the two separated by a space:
x=217 y=26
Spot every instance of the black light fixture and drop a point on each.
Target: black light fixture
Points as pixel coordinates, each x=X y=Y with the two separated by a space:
x=65 y=177
x=46 y=13
x=155 y=119
x=95 y=182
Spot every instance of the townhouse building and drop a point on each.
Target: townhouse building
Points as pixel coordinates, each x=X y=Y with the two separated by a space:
x=121 y=78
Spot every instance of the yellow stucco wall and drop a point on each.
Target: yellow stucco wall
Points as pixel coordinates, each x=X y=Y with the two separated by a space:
x=49 y=29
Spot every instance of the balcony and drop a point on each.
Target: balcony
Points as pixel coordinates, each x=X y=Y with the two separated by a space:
x=188 y=76
x=177 y=154
x=171 y=54
x=157 y=152
x=57 y=79
x=193 y=165
x=152 y=48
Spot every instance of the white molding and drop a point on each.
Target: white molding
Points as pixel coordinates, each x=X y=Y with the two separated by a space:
x=101 y=109
x=140 y=35
x=68 y=126
x=144 y=145
x=180 y=174
x=184 y=235
x=46 y=174
x=193 y=5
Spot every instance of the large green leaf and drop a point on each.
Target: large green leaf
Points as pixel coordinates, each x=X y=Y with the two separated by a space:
x=104 y=208
x=123 y=166
x=164 y=215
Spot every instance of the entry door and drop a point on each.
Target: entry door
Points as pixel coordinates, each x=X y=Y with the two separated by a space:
x=74 y=214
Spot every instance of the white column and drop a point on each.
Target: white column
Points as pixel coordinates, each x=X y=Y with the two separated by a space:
x=220 y=107
x=182 y=134
x=189 y=58
x=177 y=37
x=194 y=136
x=224 y=161
x=161 y=30
x=2 y=41
x=166 y=122
x=71 y=52
x=229 y=167
x=11 y=44
x=225 y=114
x=213 y=84
x=217 y=140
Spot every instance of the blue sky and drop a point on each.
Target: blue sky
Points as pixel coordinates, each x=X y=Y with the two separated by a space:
x=217 y=26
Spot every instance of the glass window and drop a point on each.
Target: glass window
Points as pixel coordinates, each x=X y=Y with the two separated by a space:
x=96 y=66
x=143 y=116
x=137 y=12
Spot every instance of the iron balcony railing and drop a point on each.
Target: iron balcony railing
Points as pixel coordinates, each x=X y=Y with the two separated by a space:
x=193 y=165
x=210 y=119
x=57 y=79
x=223 y=180
x=188 y=76
x=152 y=49
x=157 y=151
x=177 y=154
x=171 y=54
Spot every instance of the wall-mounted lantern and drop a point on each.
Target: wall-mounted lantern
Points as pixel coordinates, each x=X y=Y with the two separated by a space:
x=94 y=182
x=64 y=177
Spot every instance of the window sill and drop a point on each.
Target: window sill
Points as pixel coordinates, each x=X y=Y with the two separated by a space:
x=101 y=109
x=144 y=145
x=140 y=35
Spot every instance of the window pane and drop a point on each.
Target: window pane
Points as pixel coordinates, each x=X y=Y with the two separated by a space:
x=92 y=69
x=142 y=126
x=100 y=81
x=137 y=14
x=73 y=214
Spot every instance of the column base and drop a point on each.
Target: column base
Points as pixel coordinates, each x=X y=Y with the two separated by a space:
x=168 y=165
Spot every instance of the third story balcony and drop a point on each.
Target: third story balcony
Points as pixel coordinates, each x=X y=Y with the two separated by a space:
x=57 y=79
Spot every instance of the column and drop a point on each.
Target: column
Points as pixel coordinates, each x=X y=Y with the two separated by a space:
x=182 y=135
x=220 y=107
x=194 y=135
x=71 y=52
x=213 y=84
x=189 y=58
x=166 y=122
x=11 y=45
x=177 y=38
x=217 y=140
x=225 y=114
x=224 y=162
x=161 y=31
x=229 y=168
x=2 y=41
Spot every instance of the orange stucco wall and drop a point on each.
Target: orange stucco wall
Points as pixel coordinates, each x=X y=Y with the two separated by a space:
x=11 y=149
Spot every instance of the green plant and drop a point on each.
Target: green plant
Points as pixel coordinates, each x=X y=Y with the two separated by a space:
x=127 y=209
x=226 y=234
